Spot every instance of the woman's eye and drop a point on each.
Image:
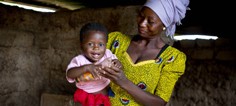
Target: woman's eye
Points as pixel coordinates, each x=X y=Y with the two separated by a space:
x=151 y=22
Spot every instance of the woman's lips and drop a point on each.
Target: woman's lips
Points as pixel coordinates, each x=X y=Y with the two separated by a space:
x=142 y=31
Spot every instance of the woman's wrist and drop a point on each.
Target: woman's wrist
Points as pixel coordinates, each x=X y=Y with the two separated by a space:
x=126 y=84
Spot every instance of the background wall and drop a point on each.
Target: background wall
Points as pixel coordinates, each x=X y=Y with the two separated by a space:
x=35 y=49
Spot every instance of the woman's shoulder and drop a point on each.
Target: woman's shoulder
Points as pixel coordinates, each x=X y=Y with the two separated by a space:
x=115 y=33
x=118 y=34
x=175 y=51
x=118 y=41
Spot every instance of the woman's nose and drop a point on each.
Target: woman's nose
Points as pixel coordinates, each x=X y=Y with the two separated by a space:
x=143 y=22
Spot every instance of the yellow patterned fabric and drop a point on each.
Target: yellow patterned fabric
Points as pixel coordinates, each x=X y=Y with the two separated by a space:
x=155 y=76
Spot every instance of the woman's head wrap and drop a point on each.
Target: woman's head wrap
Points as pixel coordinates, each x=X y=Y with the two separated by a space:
x=171 y=12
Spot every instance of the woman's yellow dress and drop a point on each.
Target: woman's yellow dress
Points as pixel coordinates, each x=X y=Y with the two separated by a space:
x=155 y=76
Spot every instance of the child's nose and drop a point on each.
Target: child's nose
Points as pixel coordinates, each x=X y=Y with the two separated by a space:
x=96 y=46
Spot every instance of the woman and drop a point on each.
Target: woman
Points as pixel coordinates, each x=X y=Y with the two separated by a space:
x=151 y=67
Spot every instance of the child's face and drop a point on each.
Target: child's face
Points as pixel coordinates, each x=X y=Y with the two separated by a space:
x=94 y=45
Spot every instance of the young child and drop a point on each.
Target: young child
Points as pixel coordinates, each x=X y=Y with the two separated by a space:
x=92 y=88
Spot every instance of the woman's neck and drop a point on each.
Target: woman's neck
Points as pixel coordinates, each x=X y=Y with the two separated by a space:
x=155 y=43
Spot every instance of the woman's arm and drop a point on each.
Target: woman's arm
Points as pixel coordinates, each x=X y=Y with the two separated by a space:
x=77 y=72
x=117 y=76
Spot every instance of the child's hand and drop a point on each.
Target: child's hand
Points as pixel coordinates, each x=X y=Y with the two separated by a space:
x=87 y=76
x=90 y=74
x=92 y=71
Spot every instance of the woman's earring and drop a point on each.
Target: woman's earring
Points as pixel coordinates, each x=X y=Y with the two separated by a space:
x=164 y=28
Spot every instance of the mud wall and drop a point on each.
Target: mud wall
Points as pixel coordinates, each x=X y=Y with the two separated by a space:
x=35 y=49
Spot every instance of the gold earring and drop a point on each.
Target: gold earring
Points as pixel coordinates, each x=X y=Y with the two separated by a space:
x=164 y=28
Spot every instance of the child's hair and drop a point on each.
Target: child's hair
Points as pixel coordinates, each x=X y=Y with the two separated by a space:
x=92 y=26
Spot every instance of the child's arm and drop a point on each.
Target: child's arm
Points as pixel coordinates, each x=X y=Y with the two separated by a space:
x=78 y=72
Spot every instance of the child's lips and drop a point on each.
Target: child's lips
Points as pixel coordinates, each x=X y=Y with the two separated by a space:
x=95 y=55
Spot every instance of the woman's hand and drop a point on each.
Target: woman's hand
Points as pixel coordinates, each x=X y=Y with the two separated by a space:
x=106 y=63
x=117 y=63
x=115 y=74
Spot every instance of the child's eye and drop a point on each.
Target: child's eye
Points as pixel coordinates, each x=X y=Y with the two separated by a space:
x=90 y=44
x=101 y=44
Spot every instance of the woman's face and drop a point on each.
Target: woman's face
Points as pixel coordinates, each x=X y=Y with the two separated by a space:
x=94 y=45
x=149 y=24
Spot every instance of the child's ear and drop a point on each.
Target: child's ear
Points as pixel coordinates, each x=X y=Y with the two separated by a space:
x=80 y=45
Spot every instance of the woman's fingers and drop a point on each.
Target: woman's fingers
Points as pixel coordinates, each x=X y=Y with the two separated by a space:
x=110 y=72
x=107 y=73
x=97 y=73
x=115 y=74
